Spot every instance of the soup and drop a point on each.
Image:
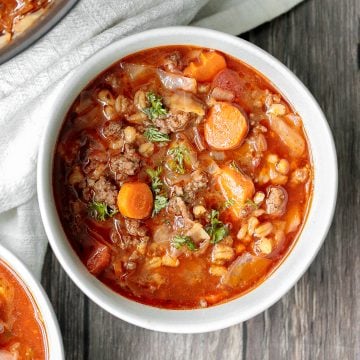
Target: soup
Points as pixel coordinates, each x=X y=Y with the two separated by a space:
x=18 y=15
x=22 y=334
x=182 y=177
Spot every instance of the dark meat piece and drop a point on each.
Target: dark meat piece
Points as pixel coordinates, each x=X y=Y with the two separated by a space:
x=99 y=260
x=176 y=121
x=134 y=227
x=112 y=130
x=101 y=190
x=276 y=200
x=125 y=164
x=173 y=62
x=199 y=181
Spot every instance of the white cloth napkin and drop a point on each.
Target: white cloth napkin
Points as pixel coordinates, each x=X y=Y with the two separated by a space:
x=27 y=81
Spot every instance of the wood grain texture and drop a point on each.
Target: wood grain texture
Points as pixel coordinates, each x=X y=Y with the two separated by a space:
x=320 y=317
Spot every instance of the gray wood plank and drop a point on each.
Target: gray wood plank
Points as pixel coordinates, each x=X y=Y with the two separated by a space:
x=320 y=317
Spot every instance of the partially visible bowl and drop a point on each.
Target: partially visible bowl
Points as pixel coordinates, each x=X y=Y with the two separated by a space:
x=52 y=334
x=306 y=247
x=53 y=14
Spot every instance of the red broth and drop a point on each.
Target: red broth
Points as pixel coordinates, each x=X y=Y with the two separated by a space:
x=22 y=333
x=223 y=156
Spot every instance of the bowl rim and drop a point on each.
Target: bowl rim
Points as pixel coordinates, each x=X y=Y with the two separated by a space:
x=308 y=243
x=42 y=302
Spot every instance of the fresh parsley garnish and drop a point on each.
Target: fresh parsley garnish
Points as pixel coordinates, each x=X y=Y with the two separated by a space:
x=156 y=108
x=160 y=203
x=179 y=154
x=251 y=203
x=157 y=185
x=216 y=229
x=101 y=211
x=153 y=134
x=228 y=203
x=235 y=166
x=180 y=240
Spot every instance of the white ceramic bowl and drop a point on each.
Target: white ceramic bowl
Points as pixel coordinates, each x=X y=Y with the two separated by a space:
x=53 y=334
x=305 y=249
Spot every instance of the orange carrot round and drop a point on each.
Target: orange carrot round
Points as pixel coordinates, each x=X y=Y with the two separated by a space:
x=135 y=200
x=209 y=65
x=225 y=127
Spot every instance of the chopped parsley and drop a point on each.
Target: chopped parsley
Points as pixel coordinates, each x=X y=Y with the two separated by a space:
x=155 y=135
x=216 y=229
x=101 y=211
x=179 y=241
x=157 y=185
x=228 y=203
x=179 y=154
x=156 y=108
x=251 y=203
x=235 y=166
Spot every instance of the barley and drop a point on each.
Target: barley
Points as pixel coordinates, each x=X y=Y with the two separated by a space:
x=76 y=176
x=130 y=134
x=272 y=158
x=252 y=224
x=277 y=109
x=259 y=197
x=199 y=210
x=216 y=270
x=222 y=252
x=146 y=149
x=263 y=230
x=167 y=260
x=242 y=232
x=239 y=248
x=263 y=246
x=283 y=167
x=137 y=118
x=106 y=97
x=140 y=100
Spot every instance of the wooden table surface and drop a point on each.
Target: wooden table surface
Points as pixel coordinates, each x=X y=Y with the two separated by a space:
x=320 y=317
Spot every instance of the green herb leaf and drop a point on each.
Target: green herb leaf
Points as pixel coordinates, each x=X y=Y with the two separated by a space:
x=180 y=240
x=160 y=203
x=216 y=229
x=156 y=108
x=156 y=183
x=179 y=154
x=234 y=165
x=153 y=134
x=250 y=203
x=101 y=211
x=228 y=203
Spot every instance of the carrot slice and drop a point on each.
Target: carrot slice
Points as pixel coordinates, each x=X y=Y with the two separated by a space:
x=209 y=65
x=135 y=200
x=235 y=186
x=225 y=126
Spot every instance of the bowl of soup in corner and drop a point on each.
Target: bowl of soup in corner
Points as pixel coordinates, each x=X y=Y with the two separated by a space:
x=186 y=179
x=28 y=325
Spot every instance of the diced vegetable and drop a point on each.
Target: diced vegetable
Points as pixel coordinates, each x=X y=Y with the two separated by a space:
x=135 y=200
x=210 y=63
x=225 y=127
x=290 y=137
x=174 y=81
x=99 y=260
x=135 y=71
x=245 y=270
x=237 y=186
x=182 y=101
